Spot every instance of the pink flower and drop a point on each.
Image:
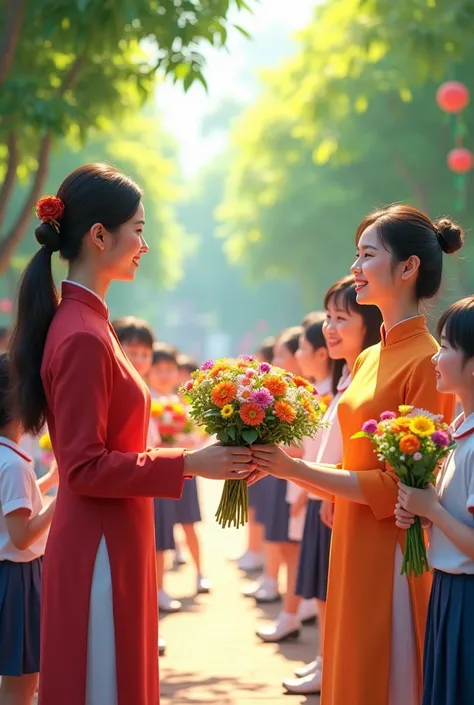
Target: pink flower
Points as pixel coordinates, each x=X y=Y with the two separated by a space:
x=370 y=426
x=247 y=358
x=250 y=372
x=440 y=438
x=265 y=367
x=262 y=397
x=417 y=456
x=387 y=416
x=189 y=385
x=208 y=365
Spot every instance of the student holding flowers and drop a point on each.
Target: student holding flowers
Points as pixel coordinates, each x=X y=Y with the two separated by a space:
x=375 y=618
x=448 y=672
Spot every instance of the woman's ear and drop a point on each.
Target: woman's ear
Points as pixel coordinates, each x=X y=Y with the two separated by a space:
x=96 y=234
x=410 y=267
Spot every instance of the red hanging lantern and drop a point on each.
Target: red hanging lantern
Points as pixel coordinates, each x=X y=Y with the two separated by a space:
x=452 y=96
x=460 y=160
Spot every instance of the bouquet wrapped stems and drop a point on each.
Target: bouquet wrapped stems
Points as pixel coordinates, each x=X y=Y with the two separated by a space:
x=415 y=559
x=233 y=508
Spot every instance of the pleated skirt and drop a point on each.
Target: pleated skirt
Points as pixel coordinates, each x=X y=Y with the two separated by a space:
x=313 y=566
x=258 y=498
x=278 y=511
x=449 y=641
x=165 y=519
x=187 y=508
x=20 y=607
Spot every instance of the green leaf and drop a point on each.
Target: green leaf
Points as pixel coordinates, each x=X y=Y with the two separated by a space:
x=242 y=31
x=231 y=432
x=360 y=434
x=249 y=435
x=223 y=436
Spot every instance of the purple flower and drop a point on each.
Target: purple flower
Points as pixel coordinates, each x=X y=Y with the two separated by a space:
x=247 y=358
x=440 y=438
x=417 y=456
x=265 y=367
x=370 y=426
x=208 y=365
x=262 y=397
x=387 y=416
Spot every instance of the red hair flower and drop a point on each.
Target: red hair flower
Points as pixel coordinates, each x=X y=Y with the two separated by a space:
x=50 y=209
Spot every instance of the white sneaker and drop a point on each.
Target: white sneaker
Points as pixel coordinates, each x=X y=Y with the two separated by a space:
x=304 y=686
x=203 y=586
x=309 y=668
x=166 y=603
x=161 y=646
x=250 y=561
x=287 y=626
x=307 y=612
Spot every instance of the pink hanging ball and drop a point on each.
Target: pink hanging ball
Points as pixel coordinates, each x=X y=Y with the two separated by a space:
x=460 y=160
x=452 y=96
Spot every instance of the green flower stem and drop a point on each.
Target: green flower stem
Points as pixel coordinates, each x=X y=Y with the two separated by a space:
x=415 y=560
x=233 y=506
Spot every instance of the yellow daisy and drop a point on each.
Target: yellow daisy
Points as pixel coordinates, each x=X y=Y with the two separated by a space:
x=422 y=426
x=405 y=409
x=227 y=411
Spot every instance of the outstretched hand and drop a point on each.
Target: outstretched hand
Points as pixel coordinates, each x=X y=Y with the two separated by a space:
x=273 y=460
x=217 y=462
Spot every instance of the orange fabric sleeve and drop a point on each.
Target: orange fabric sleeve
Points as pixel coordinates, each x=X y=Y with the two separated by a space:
x=380 y=487
x=82 y=378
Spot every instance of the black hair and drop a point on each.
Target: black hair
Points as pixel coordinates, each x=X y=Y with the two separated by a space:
x=188 y=363
x=343 y=293
x=5 y=397
x=457 y=325
x=314 y=332
x=162 y=352
x=4 y=332
x=311 y=317
x=131 y=330
x=291 y=338
x=406 y=231
x=266 y=349
x=95 y=193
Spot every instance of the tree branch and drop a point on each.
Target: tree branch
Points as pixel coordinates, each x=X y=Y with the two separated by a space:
x=9 y=181
x=13 y=20
x=12 y=239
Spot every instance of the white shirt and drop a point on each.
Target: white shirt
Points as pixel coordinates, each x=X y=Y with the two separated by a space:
x=18 y=490
x=455 y=487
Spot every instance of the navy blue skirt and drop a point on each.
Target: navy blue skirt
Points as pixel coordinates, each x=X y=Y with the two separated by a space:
x=259 y=498
x=20 y=608
x=278 y=517
x=187 y=510
x=165 y=519
x=449 y=641
x=313 y=566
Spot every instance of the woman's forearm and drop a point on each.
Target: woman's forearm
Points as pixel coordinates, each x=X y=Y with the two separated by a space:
x=327 y=481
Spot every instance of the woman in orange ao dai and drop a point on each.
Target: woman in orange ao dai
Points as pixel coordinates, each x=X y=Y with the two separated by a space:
x=375 y=617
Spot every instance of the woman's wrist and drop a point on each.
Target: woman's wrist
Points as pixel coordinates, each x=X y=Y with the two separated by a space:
x=189 y=457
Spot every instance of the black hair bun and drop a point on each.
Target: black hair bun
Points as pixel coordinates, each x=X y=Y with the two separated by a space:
x=450 y=235
x=48 y=236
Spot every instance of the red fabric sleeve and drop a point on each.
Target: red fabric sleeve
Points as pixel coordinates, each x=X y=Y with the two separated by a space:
x=81 y=386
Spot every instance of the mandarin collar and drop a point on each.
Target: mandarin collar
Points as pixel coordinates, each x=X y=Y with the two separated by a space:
x=463 y=426
x=16 y=448
x=78 y=292
x=403 y=330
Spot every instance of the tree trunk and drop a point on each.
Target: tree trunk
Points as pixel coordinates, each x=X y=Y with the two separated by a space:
x=13 y=238
x=12 y=22
x=10 y=177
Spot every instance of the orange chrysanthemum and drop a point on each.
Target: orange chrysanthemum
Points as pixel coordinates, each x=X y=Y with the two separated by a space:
x=409 y=444
x=285 y=411
x=252 y=414
x=275 y=385
x=220 y=367
x=302 y=382
x=242 y=364
x=223 y=393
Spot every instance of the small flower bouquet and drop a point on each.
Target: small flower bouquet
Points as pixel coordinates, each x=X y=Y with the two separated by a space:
x=47 y=456
x=172 y=420
x=413 y=443
x=243 y=402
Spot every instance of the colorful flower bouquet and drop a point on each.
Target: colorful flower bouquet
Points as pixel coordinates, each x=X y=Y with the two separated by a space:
x=243 y=402
x=413 y=443
x=172 y=420
x=47 y=456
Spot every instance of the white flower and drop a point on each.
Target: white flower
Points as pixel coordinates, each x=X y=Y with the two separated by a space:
x=392 y=449
x=402 y=458
x=423 y=412
x=244 y=390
